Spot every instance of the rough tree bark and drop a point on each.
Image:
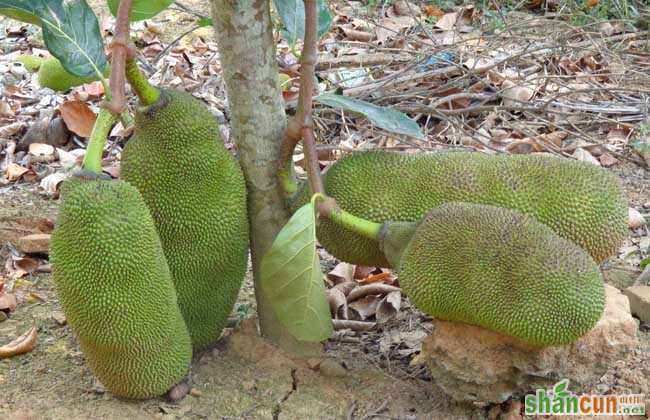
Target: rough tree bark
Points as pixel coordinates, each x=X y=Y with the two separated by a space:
x=258 y=122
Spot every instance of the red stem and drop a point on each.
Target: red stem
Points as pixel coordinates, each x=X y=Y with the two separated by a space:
x=119 y=50
x=307 y=74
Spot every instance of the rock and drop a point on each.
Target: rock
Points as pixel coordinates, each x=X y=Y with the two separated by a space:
x=635 y=219
x=332 y=369
x=37 y=243
x=195 y=392
x=471 y=363
x=59 y=318
x=639 y=297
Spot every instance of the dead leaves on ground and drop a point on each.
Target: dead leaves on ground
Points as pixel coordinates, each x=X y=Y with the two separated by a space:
x=362 y=294
x=23 y=344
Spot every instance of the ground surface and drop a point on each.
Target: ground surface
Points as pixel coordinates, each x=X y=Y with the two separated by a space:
x=243 y=376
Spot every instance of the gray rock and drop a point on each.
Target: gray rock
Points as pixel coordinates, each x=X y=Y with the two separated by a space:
x=474 y=364
x=639 y=297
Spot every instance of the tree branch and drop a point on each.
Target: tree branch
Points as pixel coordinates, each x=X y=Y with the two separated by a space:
x=120 y=51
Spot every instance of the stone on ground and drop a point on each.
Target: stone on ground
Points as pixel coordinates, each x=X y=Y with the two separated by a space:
x=474 y=364
x=639 y=297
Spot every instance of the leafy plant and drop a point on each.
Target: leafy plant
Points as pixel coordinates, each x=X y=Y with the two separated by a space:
x=70 y=31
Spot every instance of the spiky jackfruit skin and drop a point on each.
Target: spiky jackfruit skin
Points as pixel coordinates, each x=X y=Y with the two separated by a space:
x=195 y=190
x=51 y=74
x=116 y=290
x=579 y=201
x=502 y=270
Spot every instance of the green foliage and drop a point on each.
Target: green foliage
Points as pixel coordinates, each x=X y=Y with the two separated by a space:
x=292 y=13
x=385 y=118
x=502 y=270
x=292 y=279
x=116 y=291
x=142 y=9
x=51 y=74
x=579 y=201
x=70 y=31
x=195 y=190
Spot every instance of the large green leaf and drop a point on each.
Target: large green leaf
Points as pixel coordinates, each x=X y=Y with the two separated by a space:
x=292 y=13
x=292 y=279
x=70 y=31
x=388 y=119
x=142 y=9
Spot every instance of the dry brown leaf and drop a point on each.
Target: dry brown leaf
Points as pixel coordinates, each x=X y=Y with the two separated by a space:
x=338 y=303
x=23 y=344
x=585 y=156
x=447 y=21
x=8 y=302
x=357 y=35
x=431 y=10
x=11 y=129
x=389 y=306
x=362 y=271
x=78 y=116
x=618 y=135
x=346 y=287
x=375 y=278
x=41 y=149
x=514 y=94
x=363 y=308
x=607 y=160
x=343 y=272
x=15 y=171
x=391 y=27
x=371 y=289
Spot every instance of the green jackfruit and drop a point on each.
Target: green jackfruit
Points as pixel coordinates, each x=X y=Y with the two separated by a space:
x=195 y=190
x=51 y=74
x=579 y=201
x=116 y=290
x=504 y=271
x=31 y=62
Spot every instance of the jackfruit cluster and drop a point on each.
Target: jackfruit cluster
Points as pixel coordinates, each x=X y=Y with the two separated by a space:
x=53 y=75
x=116 y=289
x=502 y=270
x=195 y=190
x=579 y=201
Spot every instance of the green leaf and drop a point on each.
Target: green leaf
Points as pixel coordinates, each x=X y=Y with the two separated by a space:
x=204 y=21
x=644 y=262
x=70 y=31
x=292 y=13
x=292 y=279
x=388 y=119
x=142 y=9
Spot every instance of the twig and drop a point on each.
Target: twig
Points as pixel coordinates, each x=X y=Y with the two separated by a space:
x=371 y=289
x=344 y=324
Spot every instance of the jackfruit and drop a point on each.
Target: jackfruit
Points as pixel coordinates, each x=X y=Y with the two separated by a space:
x=31 y=62
x=502 y=270
x=196 y=192
x=579 y=201
x=51 y=74
x=116 y=290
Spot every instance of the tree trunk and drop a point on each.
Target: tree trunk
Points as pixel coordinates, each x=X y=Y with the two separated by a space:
x=248 y=58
